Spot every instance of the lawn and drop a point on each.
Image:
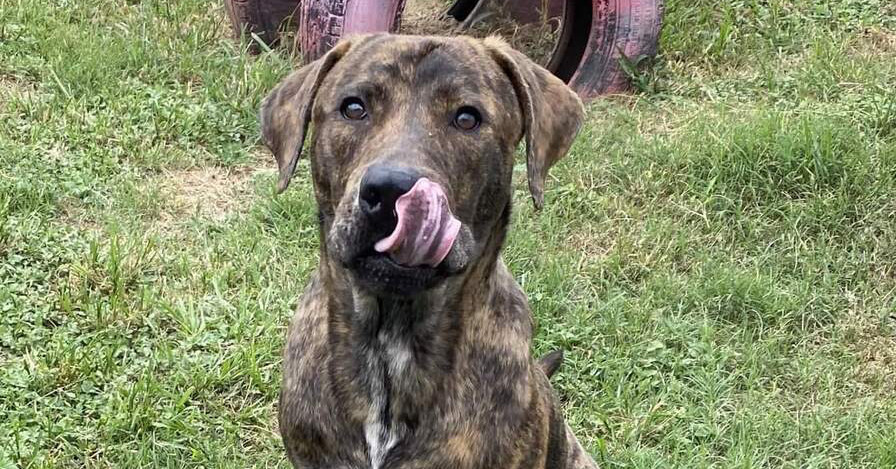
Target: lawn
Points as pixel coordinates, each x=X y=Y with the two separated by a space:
x=717 y=255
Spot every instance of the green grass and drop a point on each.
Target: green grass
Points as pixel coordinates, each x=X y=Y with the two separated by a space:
x=717 y=255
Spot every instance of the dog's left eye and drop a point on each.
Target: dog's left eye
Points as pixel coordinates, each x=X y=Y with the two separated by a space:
x=467 y=118
x=353 y=108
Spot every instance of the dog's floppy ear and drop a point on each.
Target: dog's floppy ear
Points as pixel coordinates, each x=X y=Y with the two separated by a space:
x=286 y=111
x=552 y=112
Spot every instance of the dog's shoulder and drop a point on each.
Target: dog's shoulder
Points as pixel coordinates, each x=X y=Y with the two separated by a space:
x=508 y=298
x=308 y=325
x=311 y=416
x=305 y=351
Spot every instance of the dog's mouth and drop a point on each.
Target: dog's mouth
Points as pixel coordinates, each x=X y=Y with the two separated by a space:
x=424 y=228
x=380 y=273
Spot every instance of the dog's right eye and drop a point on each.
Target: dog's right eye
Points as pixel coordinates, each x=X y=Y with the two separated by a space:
x=467 y=118
x=353 y=108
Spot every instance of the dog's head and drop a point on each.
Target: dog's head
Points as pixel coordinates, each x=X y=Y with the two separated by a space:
x=412 y=154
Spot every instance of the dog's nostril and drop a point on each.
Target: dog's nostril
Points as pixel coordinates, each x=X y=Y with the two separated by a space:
x=370 y=196
x=370 y=200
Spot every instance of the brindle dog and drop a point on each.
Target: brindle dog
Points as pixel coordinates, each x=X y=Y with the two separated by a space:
x=419 y=359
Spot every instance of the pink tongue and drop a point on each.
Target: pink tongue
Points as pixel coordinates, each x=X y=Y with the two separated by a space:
x=426 y=230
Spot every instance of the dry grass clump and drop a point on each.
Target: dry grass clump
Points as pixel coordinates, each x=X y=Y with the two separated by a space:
x=210 y=192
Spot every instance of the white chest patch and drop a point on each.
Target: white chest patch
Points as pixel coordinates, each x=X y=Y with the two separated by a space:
x=382 y=435
x=379 y=440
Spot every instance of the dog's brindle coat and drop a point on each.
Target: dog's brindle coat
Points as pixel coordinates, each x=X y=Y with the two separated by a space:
x=399 y=367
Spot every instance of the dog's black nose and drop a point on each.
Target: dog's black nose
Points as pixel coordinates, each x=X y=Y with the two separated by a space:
x=381 y=186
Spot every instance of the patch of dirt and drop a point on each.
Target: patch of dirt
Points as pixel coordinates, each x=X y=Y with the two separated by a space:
x=592 y=250
x=536 y=40
x=876 y=42
x=878 y=362
x=14 y=86
x=73 y=214
x=888 y=10
x=211 y=192
x=875 y=349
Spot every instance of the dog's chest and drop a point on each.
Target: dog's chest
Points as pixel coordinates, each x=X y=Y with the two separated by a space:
x=386 y=363
x=380 y=437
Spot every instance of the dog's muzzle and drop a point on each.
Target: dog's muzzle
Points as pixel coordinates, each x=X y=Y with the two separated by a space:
x=425 y=229
x=414 y=212
x=410 y=230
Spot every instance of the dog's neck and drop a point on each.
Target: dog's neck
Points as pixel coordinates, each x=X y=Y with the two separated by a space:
x=405 y=347
x=408 y=343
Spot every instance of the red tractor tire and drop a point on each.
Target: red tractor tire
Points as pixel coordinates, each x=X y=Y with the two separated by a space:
x=324 y=22
x=595 y=35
